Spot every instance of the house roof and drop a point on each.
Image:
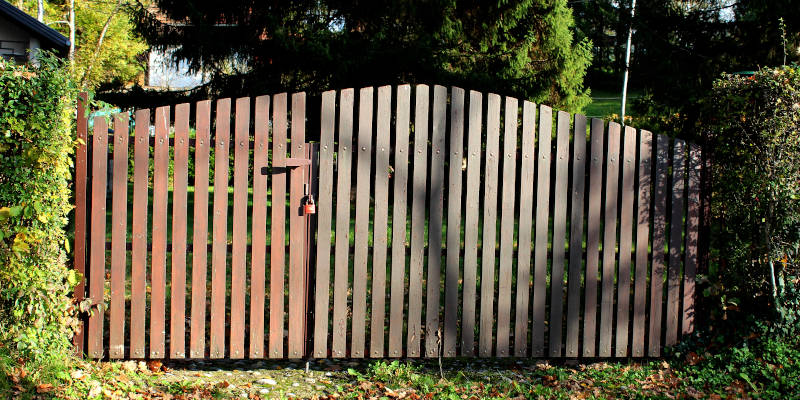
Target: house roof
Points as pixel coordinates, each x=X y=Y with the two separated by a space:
x=50 y=36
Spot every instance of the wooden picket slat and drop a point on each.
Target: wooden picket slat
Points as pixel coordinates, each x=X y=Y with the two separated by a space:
x=675 y=241
x=220 y=229
x=297 y=222
x=397 y=295
x=97 y=255
x=555 y=339
x=609 y=240
x=525 y=226
x=576 y=236
x=324 y=213
x=141 y=154
x=381 y=223
x=158 y=273
x=625 y=242
x=177 y=341
x=277 y=226
x=258 y=255
x=488 y=240
x=341 y=274
x=542 y=228
x=197 y=340
x=81 y=181
x=692 y=228
x=363 y=165
x=659 y=241
x=417 y=221
x=642 y=241
x=452 y=261
x=593 y=238
x=119 y=222
x=507 y=228
x=241 y=163
x=471 y=225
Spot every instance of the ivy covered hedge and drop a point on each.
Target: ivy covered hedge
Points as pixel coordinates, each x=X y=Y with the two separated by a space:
x=37 y=106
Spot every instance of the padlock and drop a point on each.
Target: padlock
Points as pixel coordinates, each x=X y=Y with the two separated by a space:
x=309 y=207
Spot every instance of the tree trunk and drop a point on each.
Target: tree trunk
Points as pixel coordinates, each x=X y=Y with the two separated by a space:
x=72 y=33
x=40 y=10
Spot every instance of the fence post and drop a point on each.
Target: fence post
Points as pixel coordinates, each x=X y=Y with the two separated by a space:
x=79 y=247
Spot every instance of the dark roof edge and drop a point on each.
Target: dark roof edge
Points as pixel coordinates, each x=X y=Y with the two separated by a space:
x=33 y=25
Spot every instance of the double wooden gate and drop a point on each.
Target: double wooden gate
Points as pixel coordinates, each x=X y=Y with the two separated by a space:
x=514 y=246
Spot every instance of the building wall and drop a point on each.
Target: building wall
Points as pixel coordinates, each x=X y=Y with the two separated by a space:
x=14 y=41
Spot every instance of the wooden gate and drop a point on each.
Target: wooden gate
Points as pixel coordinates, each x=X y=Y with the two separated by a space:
x=458 y=230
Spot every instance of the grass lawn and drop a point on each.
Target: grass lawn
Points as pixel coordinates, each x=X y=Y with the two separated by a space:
x=605 y=103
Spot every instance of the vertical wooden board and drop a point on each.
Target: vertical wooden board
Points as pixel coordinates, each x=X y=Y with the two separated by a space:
x=79 y=246
x=525 y=225
x=609 y=241
x=258 y=255
x=453 y=257
x=397 y=295
x=197 y=340
x=97 y=255
x=380 y=239
x=659 y=241
x=241 y=164
x=363 y=166
x=692 y=229
x=297 y=222
x=642 y=241
x=178 y=284
x=625 y=242
x=471 y=224
x=675 y=241
x=576 y=236
x=593 y=238
x=341 y=279
x=507 y=228
x=555 y=338
x=277 y=226
x=158 y=273
x=119 y=222
x=433 y=333
x=417 y=221
x=489 y=238
x=324 y=214
x=542 y=221
x=219 y=248
x=141 y=155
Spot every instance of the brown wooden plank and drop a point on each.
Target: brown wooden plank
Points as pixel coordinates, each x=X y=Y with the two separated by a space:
x=341 y=280
x=433 y=332
x=576 y=236
x=297 y=223
x=507 y=228
x=258 y=255
x=381 y=224
x=471 y=224
x=453 y=223
x=324 y=214
x=542 y=228
x=277 y=227
x=625 y=242
x=692 y=229
x=489 y=238
x=141 y=154
x=220 y=229
x=555 y=339
x=675 y=241
x=241 y=164
x=609 y=241
x=97 y=255
x=642 y=241
x=158 y=272
x=119 y=221
x=593 y=238
x=525 y=224
x=197 y=340
x=177 y=333
x=417 y=221
x=400 y=176
x=363 y=165
x=79 y=245
x=659 y=242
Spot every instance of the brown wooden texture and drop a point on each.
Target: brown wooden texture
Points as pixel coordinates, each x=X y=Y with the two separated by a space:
x=241 y=164
x=525 y=225
x=119 y=222
x=453 y=258
x=609 y=240
x=258 y=255
x=417 y=221
x=675 y=240
x=542 y=218
x=158 y=272
x=625 y=242
x=360 y=253
x=341 y=267
x=555 y=339
x=177 y=334
x=81 y=180
x=692 y=229
x=297 y=236
x=220 y=229
x=471 y=224
x=324 y=213
x=197 y=341
x=642 y=241
x=659 y=242
x=400 y=199
x=490 y=183
x=141 y=154
x=576 y=236
x=97 y=255
x=593 y=238
x=277 y=226
x=507 y=228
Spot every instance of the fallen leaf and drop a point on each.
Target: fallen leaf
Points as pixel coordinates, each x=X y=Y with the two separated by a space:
x=44 y=388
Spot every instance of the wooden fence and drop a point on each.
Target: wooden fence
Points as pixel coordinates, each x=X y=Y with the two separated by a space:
x=433 y=236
